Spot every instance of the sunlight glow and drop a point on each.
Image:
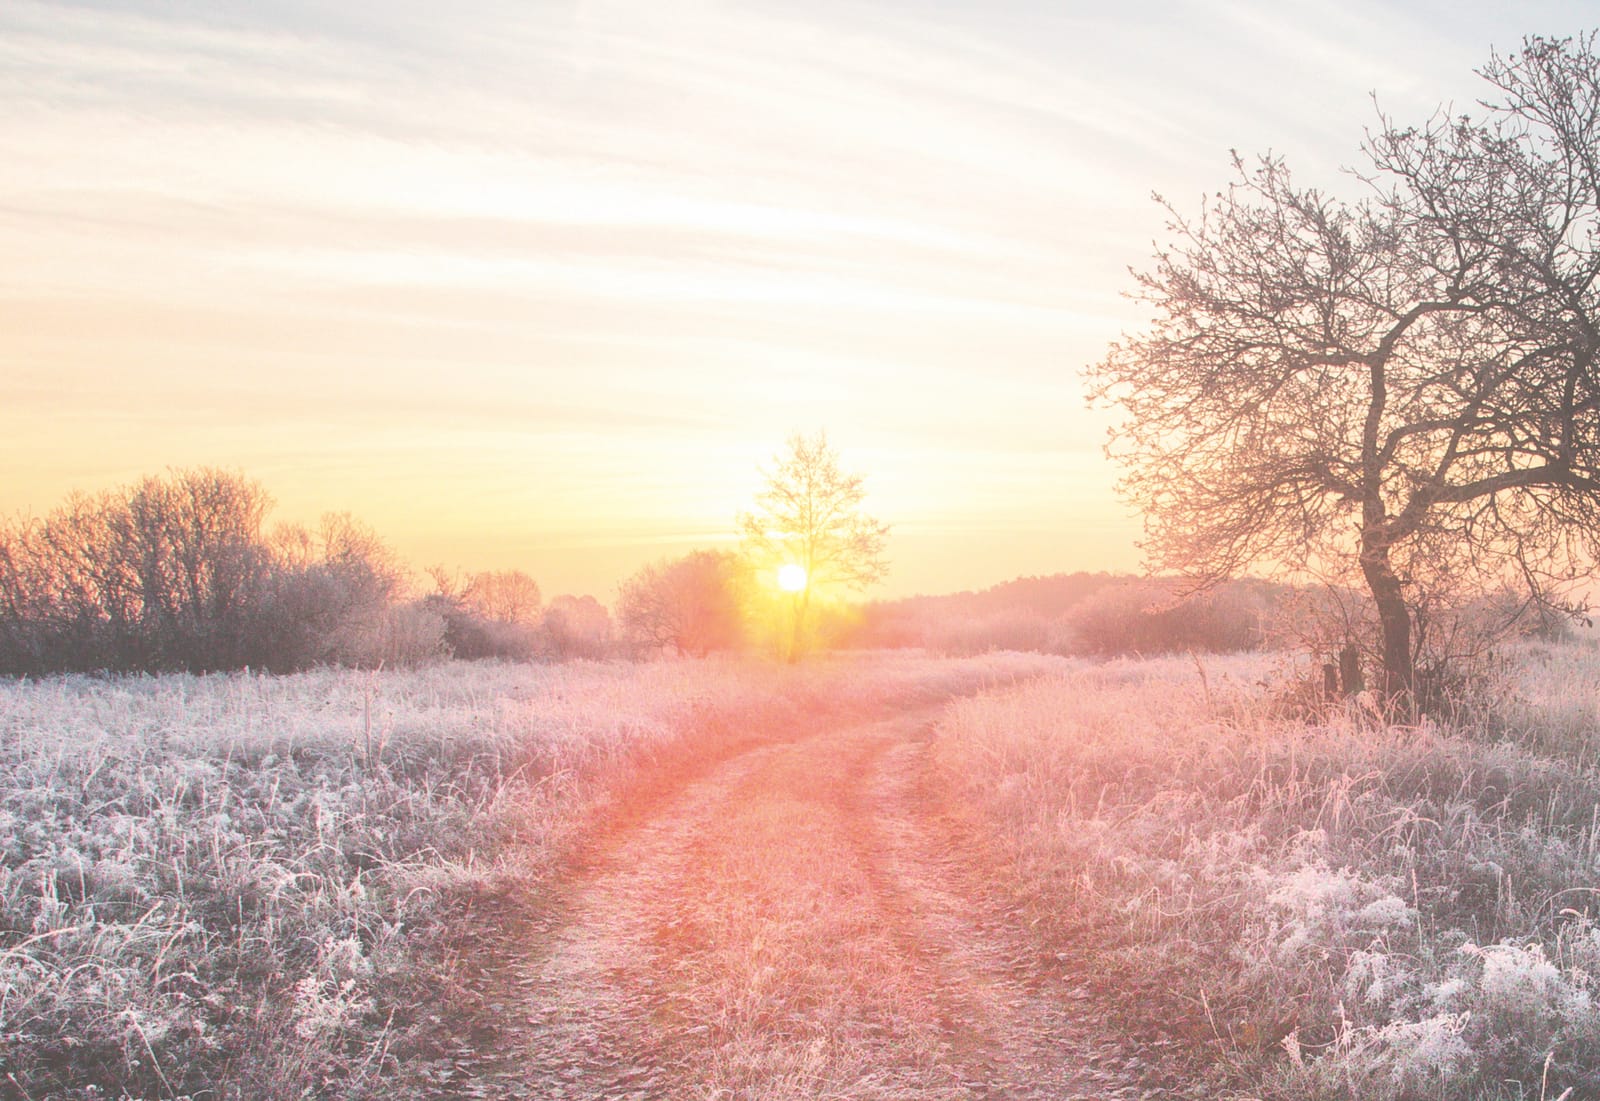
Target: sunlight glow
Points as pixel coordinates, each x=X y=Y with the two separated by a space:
x=443 y=249
x=791 y=577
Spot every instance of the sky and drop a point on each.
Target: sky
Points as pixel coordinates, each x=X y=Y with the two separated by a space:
x=546 y=285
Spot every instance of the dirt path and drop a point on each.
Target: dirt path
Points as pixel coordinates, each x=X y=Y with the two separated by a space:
x=797 y=923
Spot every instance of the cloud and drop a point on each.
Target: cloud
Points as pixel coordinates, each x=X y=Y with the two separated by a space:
x=628 y=243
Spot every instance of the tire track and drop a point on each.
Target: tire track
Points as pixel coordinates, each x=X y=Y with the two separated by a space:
x=796 y=923
x=1019 y=1027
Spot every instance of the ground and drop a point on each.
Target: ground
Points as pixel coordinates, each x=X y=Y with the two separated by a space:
x=803 y=919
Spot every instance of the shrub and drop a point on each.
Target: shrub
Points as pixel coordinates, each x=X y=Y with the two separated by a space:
x=493 y=614
x=178 y=573
x=1151 y=617
x=691 y=605
x=575 y=627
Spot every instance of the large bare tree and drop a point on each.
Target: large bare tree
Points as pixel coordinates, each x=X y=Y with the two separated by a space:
x=1404 y=384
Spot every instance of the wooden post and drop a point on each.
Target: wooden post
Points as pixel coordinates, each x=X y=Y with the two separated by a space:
x=1350 y=669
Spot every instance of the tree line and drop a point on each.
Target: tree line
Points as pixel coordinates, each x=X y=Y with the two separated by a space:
x=182 y=572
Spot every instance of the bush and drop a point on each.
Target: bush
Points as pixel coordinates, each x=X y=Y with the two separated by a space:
x=1149 y=617
x=493 y=614
x=1099 y=614
x=575 y=627
x=178 y=573
x=691 y=605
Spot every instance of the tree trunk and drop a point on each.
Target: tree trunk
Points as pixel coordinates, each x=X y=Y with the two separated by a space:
x=1394 y=619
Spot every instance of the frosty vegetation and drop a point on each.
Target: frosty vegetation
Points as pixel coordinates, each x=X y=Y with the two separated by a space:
x=1317 y=906
x=183 y=572
x=248 y=884
x=246 y=887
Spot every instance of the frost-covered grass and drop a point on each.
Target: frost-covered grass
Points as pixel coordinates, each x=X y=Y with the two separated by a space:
x=238 y=886
x=1338 y=909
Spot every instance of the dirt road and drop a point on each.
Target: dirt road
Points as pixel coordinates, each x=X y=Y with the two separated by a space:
x=800 y=921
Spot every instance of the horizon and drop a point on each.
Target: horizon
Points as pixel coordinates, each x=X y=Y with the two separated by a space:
x=545 y=290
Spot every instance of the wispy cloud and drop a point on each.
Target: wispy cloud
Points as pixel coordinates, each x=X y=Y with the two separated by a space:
x=625 y=244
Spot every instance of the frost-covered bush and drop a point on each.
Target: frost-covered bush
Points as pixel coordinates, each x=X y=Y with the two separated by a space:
x=1317 y=909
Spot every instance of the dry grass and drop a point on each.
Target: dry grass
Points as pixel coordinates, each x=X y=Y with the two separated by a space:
x=1333 y=910
x=240 y=886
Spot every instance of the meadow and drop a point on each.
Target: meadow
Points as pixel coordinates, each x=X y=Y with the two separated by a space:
x=247 y=886
x=1310 y=906
x=244 y=886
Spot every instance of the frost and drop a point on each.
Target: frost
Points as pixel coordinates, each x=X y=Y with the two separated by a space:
x=1384 y=912
x=1375 y=978
x=1516 y=980
x=1447 y=993
x=1417 y=1054
x=1321 y=907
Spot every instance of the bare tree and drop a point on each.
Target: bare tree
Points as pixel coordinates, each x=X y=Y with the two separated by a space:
x=194 y=539
x=691 y=604
x=576 y=627
x=493 y=613
x=175 y=572
x=810 y=515
x=509 y=597
x=1404 y=385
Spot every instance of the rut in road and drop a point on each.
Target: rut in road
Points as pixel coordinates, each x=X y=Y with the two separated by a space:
x=796 y=923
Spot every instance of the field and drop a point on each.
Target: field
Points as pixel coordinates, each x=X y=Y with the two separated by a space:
x=247 y=886
x=1317 y=909
x=888 y=875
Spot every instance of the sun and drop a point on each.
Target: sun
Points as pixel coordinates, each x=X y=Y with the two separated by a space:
x=791 y=577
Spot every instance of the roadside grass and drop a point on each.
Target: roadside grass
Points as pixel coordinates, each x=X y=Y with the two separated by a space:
x=1332 y=909
x=239 y=886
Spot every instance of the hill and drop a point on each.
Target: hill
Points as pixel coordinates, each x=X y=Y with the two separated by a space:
x=1078 y=613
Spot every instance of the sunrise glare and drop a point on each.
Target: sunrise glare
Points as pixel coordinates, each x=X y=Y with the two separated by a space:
x=903 y=550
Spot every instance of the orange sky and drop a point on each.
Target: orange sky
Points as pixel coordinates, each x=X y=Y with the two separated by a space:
x=541 y=285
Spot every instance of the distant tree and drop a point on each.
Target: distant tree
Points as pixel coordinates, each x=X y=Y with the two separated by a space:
x=576 y=627
x=1150 y=616
x=80 y=579
x=491 y=614
x=331 y=596
x=692 y=605
x=810 y=515
x=1402 y=388
x=166 y=574
x=21 y=598
x=201 y=564
x=509 y=597
x=414 y=634
x=176 y=572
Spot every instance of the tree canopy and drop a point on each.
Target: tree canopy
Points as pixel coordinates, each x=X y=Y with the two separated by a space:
x=180 y=572
x=1400 y=386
